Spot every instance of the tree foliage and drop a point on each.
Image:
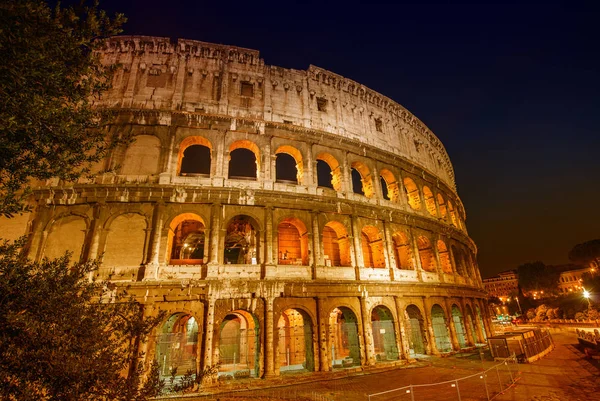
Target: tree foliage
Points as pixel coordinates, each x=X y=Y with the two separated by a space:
x=63 y=337
x=49 y=77
x=536 y=276
x=586 y=252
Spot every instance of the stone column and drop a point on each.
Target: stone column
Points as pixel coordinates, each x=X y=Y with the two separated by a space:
x=323 y=327
x=208 y=338
x=451 y=326
x=402 y=340
x=269 y=233
x=151 y=272
x=215 y=229
x=432 y=347
x=466 y=317
x=317 y=259
x=437 y=259
x=357 y=245
x=310 y=176
x=269 y=346
x=368 y=332
x=417 y=255
x=389 y=241
x=477 y=323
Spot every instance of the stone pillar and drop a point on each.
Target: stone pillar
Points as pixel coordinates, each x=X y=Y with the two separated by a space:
x=310 y=174
x=389 y=246
x=403 y=339
x=221 y=158
x=270 y=248
x=432 y=347
x=417 y=255
x=208 y=337
x=437 y=259
x=357 y=245
x=477 y=323
x=323 y=327
x=269 y=346
x=215 y=229
x=451 y=326
x=317 y=254
x=151 y=272
x=368 y=332
x=130 y=87
x=466 y=317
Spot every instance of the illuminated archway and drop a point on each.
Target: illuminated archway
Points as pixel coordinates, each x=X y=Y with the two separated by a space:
x=403 y=251
x=335 y=181
x=384 y=335
x=345 y=344
x=426 y=254
x=239 y=345
x=459 y=326
x=442 y=206
x=289 y=165
x=336 y=244
x=366 y=182
x=241 y=241
x=453 y=219
x=389 y=186
x=440 y=330
x=292 y=241
x=244 y=160
x=295 y=342
x=177 y=345
x=194 y=156
x=412 y=193
x=416 y=330
x=372 y=247
x=429 y=201
x=444 y=257
x=186 y=241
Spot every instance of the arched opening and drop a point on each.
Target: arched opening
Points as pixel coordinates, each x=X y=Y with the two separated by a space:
x=453 y=219
x=440 y=330
x=142 y=156
x=285 y=169
x=384 y=335
x=416 y=329
x=372 y=247
x=289 y=170
x=412 y=193
x=329 y=174
x=345 y=346
x=429 y=201
x=442 y=206
x=194 y=156
x=292 y=242
x=295 y=342
x=458 y=260
x=426 y=254
x=126 y=229
x=177 y=345
x=403 y=251
x=241 y=241
x=186 y=240
x=389 y=186
x=244 y=160
x=66 y=234
x=444 y=257
x=196 y=161
x=470 y=322
x=461 y=334
x=361 y=179
x=336 y=245
x=238 y=346
x=357 y=185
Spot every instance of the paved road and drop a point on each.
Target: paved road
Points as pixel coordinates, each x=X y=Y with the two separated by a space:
x=562 y=375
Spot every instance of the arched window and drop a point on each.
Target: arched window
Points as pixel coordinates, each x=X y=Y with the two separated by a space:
x=295 y=342
x=327 y=164
x=459 y=261
x=442 y=206
x=241 y=241
x=426 y=254
x=238 y=342
x=66 y=234
x=336 y=245
x=452 y=212
x=444 y=257
x=187 y=240
x=292 y=242
x=389 y=186
x=345 y=342
x=177 y=345
x=196 y=161
x=194 y=157
x=372 y=247
x=384 y=336
x=412 y=193
x=288 y=165
x=403 y=251
x=244 y=160
x=361 y=179
x=429 y=201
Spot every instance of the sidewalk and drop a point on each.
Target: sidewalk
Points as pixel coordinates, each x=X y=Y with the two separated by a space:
x=562 y=375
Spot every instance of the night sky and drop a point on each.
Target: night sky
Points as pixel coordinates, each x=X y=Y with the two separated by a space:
x=512 y=91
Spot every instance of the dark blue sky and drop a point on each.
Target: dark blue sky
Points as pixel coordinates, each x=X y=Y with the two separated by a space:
x=513 y=92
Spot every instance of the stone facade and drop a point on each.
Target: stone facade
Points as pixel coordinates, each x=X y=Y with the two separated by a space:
x=286 y=220
x=502 y=286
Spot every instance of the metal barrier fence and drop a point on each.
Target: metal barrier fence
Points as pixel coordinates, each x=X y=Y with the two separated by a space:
x=485 y=385
x=527 y=345
x=270 y=394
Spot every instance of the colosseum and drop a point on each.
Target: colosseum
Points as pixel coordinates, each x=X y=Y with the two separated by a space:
x=286 y=220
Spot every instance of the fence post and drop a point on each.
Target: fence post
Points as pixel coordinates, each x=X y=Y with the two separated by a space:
x=499 y=380
x=457 y=389
x=412 y=394
x=487 y=393
x=509 y=372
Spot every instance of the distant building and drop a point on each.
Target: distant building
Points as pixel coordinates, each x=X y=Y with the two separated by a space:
x=503 y=285
x=571 y=280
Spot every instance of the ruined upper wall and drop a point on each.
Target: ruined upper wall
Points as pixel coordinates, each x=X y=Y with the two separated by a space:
x=188 y=75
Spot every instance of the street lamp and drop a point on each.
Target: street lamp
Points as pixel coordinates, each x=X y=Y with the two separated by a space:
x=586 y=295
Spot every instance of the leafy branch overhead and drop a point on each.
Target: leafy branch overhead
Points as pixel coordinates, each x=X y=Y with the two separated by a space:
x=49 y=78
